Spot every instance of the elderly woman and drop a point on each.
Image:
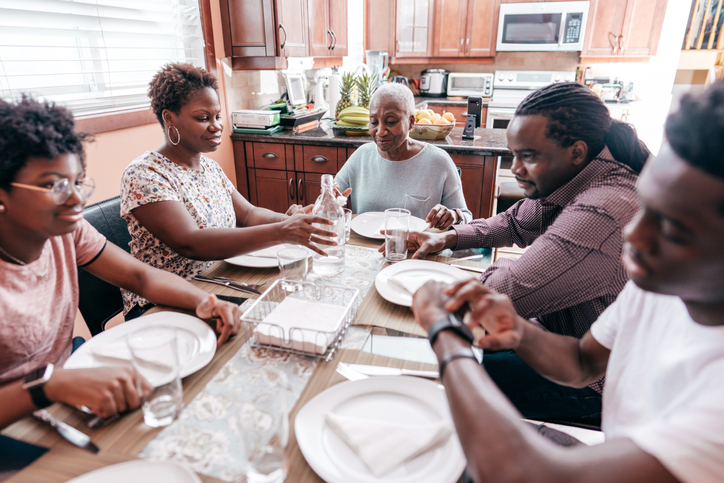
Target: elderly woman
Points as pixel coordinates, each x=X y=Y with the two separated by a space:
x=43 y=239
x=182 y=210
x=397 y=171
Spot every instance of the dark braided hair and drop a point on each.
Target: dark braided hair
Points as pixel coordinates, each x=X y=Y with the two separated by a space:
x=175 y=84
x=696 y=131
x=575 y=113
x=35 y=129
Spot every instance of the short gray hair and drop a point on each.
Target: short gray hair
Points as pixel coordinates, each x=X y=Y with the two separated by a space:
x=399 y=93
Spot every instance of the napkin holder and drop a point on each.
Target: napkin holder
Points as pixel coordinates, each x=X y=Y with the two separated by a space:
x=316 y=343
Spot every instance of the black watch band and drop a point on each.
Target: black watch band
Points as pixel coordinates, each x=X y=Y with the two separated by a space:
x=450 y=322
x=459 y=353
x=34 y=382
x=37 y=394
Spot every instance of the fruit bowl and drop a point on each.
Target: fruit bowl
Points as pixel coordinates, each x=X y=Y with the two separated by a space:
x=349 y=131
x=431 y=132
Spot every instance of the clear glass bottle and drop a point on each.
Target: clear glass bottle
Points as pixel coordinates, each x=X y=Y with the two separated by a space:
x=328 y=207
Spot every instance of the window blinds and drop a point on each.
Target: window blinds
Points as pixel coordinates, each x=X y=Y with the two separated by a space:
x=94 y=56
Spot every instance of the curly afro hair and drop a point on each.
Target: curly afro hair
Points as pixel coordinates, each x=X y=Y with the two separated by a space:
x=175 y=84
x=575 y=113
x=696 y=131
x=35 y=129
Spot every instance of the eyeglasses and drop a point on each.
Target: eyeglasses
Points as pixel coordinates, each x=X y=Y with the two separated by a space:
x=63 y=189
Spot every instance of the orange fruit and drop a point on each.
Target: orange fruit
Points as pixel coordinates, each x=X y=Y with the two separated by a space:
x=424 y=121
x=441 y=121
x=449 y=116
x=435 y=117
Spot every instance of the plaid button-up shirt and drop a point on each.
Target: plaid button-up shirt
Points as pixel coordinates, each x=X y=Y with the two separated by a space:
x=572 y=268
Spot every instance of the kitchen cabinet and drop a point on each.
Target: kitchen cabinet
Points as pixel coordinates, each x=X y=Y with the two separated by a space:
x=261 y=34
x=327 y=20
x=465 y=28
x=478 y=177
x=414 y=28
x=621 y=30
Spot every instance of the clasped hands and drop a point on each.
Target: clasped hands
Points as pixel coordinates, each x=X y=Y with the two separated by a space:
x=492 y=311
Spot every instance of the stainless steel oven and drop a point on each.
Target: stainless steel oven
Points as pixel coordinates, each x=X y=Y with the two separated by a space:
x=498 y=118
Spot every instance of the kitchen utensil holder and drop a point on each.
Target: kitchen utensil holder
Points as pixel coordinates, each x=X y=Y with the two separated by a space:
x=297 y=340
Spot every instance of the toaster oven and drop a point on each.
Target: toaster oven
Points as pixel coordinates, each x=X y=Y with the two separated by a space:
x=470 y=84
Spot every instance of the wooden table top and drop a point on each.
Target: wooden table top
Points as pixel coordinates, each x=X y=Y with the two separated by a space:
x=124 y=439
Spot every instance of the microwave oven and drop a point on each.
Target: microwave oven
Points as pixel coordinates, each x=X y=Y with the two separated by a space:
x=542 y=26
x=469 y=84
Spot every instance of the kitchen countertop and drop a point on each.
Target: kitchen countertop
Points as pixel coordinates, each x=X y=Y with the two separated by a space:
x=487 y=142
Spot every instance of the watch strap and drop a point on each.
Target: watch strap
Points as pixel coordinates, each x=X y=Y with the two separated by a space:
x=37 y=394
x=460 y=218
x=450 y=322
x=459 y=353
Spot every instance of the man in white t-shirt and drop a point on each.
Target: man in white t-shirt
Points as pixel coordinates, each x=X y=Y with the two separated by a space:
x=660 y=345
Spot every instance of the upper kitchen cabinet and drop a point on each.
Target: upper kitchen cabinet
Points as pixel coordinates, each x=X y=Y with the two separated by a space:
x=465 y=28
x=623 y=30
x=327 y=21
x=261 y=34
x=413 y=28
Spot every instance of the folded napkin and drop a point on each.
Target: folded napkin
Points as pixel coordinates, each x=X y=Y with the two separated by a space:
x=392 y=225
x=119 y=351
x=411 y=281
x=382 y=445
x=270 y=252
x=301 y=324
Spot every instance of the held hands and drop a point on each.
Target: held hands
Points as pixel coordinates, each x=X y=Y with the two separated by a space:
x=441 y=217
x=299 y=229
x=228 y=315
x=104 y=390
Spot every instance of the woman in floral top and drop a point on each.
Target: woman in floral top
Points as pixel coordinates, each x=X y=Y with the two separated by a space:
x=182 y=210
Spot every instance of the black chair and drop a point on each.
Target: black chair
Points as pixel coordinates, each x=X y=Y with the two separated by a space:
x=100 y=301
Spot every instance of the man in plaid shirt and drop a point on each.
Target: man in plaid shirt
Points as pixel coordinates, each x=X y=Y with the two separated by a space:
x=578 y=167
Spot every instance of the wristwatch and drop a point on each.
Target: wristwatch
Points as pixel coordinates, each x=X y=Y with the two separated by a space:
x=450 y=322
x=34 y=382
x=460 y=218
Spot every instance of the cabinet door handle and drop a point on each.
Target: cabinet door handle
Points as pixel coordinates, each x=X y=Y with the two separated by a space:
x=335 y=39
x=329 y=47
x=467 y=46
x=281 y=27
x=301 y=192
x=269 y=156
x=398 y=47
x=319 y=159
x=291 y=189
x=461 y=44
x=612 y=39
x=620 y=44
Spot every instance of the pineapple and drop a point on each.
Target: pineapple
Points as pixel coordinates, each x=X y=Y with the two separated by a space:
x=345 y=93
x=366 y=86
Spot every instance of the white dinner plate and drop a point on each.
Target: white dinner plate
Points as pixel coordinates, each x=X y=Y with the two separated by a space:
x=425 y=269
x=267 y=258
x=196 y=342
x=369 y=224
x=140 y=471
x=406 y=400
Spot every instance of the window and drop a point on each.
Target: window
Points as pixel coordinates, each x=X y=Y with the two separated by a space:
x=94 y=56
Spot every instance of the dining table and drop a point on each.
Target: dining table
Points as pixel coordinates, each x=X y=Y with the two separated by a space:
x=128 y=438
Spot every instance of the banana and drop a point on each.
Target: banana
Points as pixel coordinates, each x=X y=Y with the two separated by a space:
x=355 y=111
x=356 y=119
x=344 y=123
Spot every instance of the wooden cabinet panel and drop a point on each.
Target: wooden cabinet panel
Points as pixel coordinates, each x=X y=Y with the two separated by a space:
x=482 y=28
x=605 y=19
x=319 y=37
x=478 y=178
x=414 y=29
x=450 y=22
x=319 y=159
x=292 y=29
x=380 y=25
x=268 y=156
x=242 y=183
x=274 y=190
x=338 y=26
x=250 y=24
x=642 y=27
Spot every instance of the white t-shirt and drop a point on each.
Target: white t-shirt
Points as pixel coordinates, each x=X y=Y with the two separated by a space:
x=664 y=383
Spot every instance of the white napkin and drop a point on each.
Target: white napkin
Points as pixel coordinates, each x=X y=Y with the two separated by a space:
x=301 y=324
x=392 y=225
x=119 y=351
x=382 y=445
x=270 y=252
x=412 y=281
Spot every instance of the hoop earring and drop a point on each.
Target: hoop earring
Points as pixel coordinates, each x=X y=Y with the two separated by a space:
x=178 y=135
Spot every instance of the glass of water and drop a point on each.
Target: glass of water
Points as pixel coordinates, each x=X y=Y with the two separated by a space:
x=293 y=267
x=347 y=223
x=266 y=439
x=397 y=228
x=154 y=353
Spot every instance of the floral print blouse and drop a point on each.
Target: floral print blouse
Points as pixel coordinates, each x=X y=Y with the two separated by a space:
x=205 y=193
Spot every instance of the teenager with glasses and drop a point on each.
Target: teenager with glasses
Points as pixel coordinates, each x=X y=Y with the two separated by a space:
x=43 y=239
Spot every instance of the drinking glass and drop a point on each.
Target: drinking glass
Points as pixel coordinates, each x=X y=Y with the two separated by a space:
x=347 y=223
x=293 y=266
x=154 y=353
x=266 y=438
x=397 y=228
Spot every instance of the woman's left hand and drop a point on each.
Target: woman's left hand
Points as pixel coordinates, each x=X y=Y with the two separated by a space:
x=441 y=217
x=228 y=316
x=299 y=209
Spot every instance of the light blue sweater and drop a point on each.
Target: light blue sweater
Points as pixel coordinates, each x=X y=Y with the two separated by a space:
x=417 y=184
